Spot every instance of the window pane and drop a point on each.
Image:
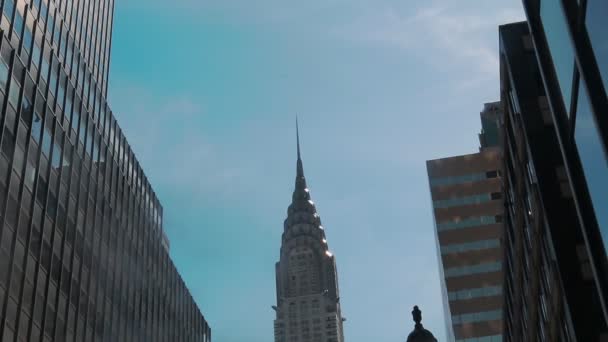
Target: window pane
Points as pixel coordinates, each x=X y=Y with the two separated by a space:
x=593 y=160
x=46 y=143
x=36 y=126
x=560 y=46
x=3 y=75
x=9 y=7
x=597 y=12
x=13 y=94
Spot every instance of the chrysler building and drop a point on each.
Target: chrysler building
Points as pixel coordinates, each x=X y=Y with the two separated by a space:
x=308 y=301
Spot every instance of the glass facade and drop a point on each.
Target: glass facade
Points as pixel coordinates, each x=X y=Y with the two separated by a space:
x=475 y=293
x=549 y=286
x=470 y=246
x=452 y=180
x=466 y=200
x=472 y=269
x=477 y=317
x=468 y=222
x=558 y=39
x=591 y=153
x=494 y=338
x=81 y=256
x=570 y=43
x=595 y=22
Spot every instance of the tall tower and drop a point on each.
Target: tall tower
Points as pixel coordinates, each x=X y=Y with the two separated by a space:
x=308 y=300
x=83 y=254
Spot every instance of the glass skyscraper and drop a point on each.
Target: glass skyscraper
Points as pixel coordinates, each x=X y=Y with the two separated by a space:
x=550 y=292
x=570 y=39
x=83 y=256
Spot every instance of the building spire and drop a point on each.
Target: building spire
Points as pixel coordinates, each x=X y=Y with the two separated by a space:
x=298 y=136
x=300 y=170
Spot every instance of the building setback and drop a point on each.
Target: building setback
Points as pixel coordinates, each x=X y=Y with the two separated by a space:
x=570 y=40
x=308 y=299
x=550 y=288
x=468 y=211
x=82 y=256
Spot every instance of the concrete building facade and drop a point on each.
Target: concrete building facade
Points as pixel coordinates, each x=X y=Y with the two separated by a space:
x=468 y=211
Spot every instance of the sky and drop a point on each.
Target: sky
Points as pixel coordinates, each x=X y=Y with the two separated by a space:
x=207 y=93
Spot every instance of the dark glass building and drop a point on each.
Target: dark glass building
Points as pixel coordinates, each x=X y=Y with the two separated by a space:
x=550 y=288
x=571 y=43
x=82 y=252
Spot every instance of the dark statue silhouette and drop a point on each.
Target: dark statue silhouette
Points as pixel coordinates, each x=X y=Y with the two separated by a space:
x=420 y=334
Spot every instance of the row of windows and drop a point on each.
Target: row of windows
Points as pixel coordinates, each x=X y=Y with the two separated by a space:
x=468 y=222
x=479 y=292
x=67 y=54
x=92 y=39
x=56 y=144
x=77 y=228
x=475 y=317
x=467 y=200
x=85 y=129
x=472 y=177
x=473 y=269
x=493 y=338
x=470 y=246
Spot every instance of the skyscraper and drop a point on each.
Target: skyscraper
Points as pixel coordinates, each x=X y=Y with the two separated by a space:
x=570 y=39
x=308 y=300
x=82 y=253
x=468 y=211
x=550 y=288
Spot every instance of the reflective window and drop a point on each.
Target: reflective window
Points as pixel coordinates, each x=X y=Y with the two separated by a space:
x=477 y=317
x=43 y=10
x=597 y=12
x=36 y=126
x=36 y=55
x=3 y=75
x=46 y=142
x=560 y=45
x=467 y=223
x=472 y=269
x=45 y=66
x=27 y=35
x=26 y=109
x=475 y=293
x=9 y=7
x=493 y=338
x=56 y=161
x=13 y=94
x=468 y=200
x=593 y=160
x=451 y=180
x=470 y=246
x=18 y=26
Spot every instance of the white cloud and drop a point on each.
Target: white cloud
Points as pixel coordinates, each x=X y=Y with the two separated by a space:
x=448 y=35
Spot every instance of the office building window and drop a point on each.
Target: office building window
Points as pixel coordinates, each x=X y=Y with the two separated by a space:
x=472 y=269
x=593 y=159
x=595 y=22
x=560 y=46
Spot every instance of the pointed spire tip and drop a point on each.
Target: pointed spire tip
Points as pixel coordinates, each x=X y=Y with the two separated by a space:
x=300 y=168
x=298 y=136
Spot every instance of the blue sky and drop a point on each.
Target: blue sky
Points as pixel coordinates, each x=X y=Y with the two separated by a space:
x=207 y=93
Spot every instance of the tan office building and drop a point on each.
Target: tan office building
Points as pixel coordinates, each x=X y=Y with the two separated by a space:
x=468 y=211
